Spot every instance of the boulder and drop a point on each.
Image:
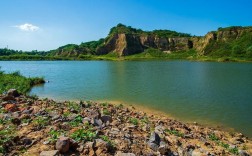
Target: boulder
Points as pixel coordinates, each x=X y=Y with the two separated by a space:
x=63 y=144
x=49 y=153
x=154 y=141
x=11 y=107
x=13 y=92
x=106 y=118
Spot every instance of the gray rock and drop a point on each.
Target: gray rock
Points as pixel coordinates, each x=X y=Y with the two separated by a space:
x=49 y=153
x=154 y=138
x=63 y=144
x=86 y=120
x=163 y=148
x=243 y=153
x=96 y=122
x=13 y=92
x=119 y=153
x=153 y=146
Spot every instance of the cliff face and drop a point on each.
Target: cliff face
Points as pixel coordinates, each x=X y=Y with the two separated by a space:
x=131 y=43
x=223 y=40
x=127 y=44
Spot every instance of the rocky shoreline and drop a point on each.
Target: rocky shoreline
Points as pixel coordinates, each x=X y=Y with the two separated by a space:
x=33 y=126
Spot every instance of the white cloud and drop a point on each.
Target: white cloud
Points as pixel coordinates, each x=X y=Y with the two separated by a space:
x=27 y=27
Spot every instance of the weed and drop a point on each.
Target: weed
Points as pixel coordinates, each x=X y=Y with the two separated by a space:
x=134 y=121
x=106 y=112
x=40 y=122
x=82 y=134
x=106 y=138
x=175 y=132
x=234 y=150
x=54 y=135
x=213 y=137
x=77 y=121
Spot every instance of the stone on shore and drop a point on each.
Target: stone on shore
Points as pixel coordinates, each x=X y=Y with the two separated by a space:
x=49 y=153
x=63 y=144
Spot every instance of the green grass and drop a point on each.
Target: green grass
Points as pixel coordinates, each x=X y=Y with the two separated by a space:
x=175 y=132
x=83 y=135
x=134 y=121
x=17 y=81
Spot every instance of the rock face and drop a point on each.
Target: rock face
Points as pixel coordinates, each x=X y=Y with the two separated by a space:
x=128 y=44
x=223 y=35
x=124 y=44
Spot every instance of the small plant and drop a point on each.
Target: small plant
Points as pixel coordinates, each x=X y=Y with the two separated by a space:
x=77 y=121
x=104 y=104
x=234 y=150
x=134 y=121
x=40 y=122
x=145 y=120
x=26 y=120
x=213 y=137
x=54 y=135
x=175 y=132
x=82 y=134
x=106 y=138
x=106 y=112
x=74 y=106
x=120 y=106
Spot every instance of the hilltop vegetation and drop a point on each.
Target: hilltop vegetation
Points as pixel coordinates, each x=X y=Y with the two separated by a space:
x=124 y=42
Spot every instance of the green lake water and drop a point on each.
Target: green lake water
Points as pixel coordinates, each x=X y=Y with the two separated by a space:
x=206 y=92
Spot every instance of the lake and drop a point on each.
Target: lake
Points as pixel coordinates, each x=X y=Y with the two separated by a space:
x=206 y=92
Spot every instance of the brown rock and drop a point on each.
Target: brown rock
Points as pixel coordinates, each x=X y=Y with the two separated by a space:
x=63 y=144
x=13 y=92
x=11 y=107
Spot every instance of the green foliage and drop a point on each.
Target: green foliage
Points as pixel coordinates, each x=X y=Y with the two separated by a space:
x=234 y=150
x=40 y=122
x=54 y=135
x=77 y=121
x=83 y=134
x=106 y=112
x=6 y=135
x=145 y=120
x=17 y=81
x=74 y=106
x=106 y=138
x=134 y=121
x=168 y=33
x=175 y=132
x=237 y=50
x=213 y=137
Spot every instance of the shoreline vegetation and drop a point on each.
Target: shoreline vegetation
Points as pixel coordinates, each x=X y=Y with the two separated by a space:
x=18 y=81
x=33 y=126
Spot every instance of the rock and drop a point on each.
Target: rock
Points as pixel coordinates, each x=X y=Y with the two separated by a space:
x=96 y=122
x=163 y=148
x=49 y=153
x=196 y=153
x=86 y=120
x=16 y=121
x=101 y=146
x=26 y=141
x=154 y=138
x=11 y=107
x=119 y=153
x=243 y=153
x=106 y=118
x=63 y=144
x=8 y=98
x=153 y=146
x=13 y=92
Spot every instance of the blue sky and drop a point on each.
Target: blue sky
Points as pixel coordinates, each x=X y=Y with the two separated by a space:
x=48 y=24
